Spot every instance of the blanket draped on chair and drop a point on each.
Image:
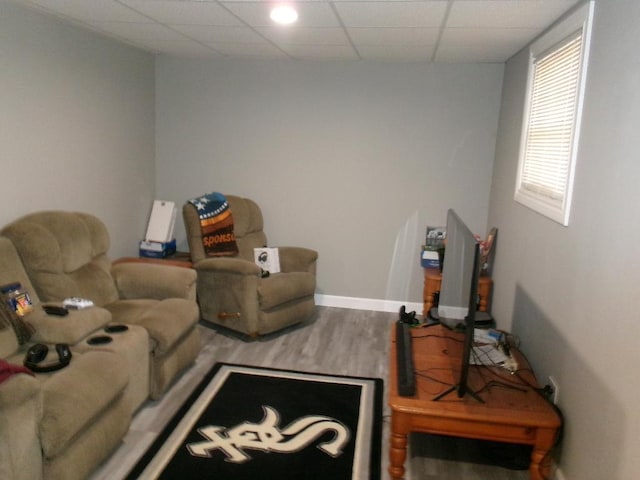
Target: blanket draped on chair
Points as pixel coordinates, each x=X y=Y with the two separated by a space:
x=216 y=223
x=8 y=370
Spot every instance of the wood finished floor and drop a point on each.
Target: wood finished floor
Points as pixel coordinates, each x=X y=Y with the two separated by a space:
x=334 y=340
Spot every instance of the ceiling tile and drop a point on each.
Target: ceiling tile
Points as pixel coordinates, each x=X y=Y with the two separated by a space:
x=487 y=36
x=489 y=44
x=472 y=54
x=305 y=35
x=92 y=10
x=394 y=36
x=139 y=32
x=507 y=13
x=208 y=34
x=392 y=14
x=184 y=12
x=402 y=53
x=310 y=14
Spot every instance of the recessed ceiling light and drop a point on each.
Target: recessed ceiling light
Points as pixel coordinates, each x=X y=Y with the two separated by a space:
x=284 y=14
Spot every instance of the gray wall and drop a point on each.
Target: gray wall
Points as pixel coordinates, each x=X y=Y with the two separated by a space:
x=353 y=160
x=362 y=157
x=569 y=292
x=76 y=125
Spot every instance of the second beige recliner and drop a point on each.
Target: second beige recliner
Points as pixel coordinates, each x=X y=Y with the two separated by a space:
x=231 y=291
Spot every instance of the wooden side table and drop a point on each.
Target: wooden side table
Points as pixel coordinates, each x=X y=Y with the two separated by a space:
x=432 y=280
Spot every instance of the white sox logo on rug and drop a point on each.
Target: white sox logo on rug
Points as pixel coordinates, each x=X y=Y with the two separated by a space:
x=267 y=437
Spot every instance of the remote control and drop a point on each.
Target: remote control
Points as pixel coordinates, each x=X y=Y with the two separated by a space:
x=77 y=303
x=55 y=310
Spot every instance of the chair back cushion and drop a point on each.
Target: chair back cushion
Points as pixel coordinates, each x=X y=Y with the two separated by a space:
x=64 y=255
x=247 y=223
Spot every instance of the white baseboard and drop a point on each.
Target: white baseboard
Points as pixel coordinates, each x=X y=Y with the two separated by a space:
x=557 y=473
x=366 y=303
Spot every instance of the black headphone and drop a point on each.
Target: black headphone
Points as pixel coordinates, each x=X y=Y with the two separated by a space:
x=38 y=352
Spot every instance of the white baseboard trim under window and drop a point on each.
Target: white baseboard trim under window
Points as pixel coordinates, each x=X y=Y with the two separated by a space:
x=366 y=303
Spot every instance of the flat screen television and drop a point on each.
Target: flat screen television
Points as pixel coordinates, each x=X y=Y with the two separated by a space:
x=459 y=292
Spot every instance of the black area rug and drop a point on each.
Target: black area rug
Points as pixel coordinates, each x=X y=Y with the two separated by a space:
x=246 y=422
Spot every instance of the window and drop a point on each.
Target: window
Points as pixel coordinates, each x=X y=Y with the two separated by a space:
x=551 y=128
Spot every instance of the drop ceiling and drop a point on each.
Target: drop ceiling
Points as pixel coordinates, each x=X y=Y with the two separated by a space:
x=485 y=31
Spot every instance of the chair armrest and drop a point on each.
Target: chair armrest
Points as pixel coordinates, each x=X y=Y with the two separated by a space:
x=153 y=281
x=297 y=259
x=20 y=415
x=17 y=389
x=71 y=328
x=236 y=265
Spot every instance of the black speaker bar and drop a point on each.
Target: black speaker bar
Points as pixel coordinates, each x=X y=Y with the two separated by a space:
x=406 y=378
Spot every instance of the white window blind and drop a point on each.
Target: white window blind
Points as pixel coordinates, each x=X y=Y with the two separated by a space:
x=552 y=121
x=551 y=128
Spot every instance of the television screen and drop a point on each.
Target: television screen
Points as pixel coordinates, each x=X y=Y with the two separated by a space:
x=459 y=263
x=458 y=293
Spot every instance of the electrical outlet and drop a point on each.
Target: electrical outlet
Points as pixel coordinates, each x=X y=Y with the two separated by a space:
x=556 y=389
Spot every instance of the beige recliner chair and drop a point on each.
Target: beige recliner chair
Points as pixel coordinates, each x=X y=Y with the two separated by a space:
x=65 y=255
x=61 y=424
x=231 y=290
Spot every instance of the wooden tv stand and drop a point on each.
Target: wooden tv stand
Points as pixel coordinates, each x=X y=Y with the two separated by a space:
x=508 y=415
